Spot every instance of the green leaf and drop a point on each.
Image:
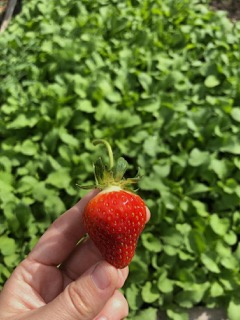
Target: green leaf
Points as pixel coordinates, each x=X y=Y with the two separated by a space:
x=211 y=81
x=231 y=145
x=185 y=276
x=197 y=188
x=29 y=148
x=86 y=106
x=138 y=270
x=219 y=167
x=59 y=179
x=7 y=246
x=230 y=262
x=200 y=208
x=9 y=212
x=188 y=298
x=235 y=114
x=5 y=164
x=23 y=213
x=146 y=314
x=68 y=139
x=41 y=191
x=26 y=184
x=227 y=281
x=170 y=200
x=150 y=292
x=218 y=225
x=165 y=284
x=233 y=309
x=150 y=146
x=216 y=289
x=170 y=250
x=149 y=105
x=177 y=314
x=54 y=206
x=134 y=298
x=22 y=121
x=4 y=273
x=172 y=237
x=66 y=153
x=64 y=116
x=149 y=183
x=12 y=260
x=209 y=262
x=162 y=169
x=151 y=243
x=50 y=140
x=195 y=242
x=185 y=256
x=145 y=80
x=127 y=120
x=230 y=238
x=198 y=157
x=6 y=180
x=114 y=97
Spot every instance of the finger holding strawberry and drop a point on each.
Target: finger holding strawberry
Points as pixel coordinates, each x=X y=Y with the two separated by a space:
x=116 y=216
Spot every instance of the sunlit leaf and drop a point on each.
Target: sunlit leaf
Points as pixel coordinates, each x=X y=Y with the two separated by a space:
x=211 y=81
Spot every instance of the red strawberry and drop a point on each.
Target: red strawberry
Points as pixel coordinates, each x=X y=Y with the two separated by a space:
x=115 y=217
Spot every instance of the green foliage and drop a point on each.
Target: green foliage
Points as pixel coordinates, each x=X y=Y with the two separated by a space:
x=160 y=81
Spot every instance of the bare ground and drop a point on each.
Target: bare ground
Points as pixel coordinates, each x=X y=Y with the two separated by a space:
x=231 y=6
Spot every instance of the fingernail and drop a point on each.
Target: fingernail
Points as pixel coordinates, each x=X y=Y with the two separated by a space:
x=102 y=318
x=100 y=277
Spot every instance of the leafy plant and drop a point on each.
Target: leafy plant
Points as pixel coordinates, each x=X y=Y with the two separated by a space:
x=161 y=80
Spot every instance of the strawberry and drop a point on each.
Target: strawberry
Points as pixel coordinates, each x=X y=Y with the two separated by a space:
x=115 y=217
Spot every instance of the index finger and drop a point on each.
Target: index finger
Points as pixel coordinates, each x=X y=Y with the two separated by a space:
x=60 y=239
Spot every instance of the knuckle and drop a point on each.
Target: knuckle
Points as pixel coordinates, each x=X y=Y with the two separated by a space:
x=79 y=301
x=123 y=273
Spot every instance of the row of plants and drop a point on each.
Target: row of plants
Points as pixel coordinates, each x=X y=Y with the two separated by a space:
x=160 y=81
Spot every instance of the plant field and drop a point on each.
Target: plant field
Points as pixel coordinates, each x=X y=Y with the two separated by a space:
x=160 y=80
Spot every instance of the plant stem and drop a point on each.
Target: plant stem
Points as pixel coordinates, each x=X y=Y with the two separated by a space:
x=109 y=149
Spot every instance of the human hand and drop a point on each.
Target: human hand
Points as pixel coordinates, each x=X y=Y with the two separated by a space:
x=60 y=281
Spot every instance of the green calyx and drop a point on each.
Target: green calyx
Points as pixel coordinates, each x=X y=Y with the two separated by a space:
x=113 y=174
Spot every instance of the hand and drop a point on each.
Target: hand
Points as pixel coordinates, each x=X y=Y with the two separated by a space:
x=60 y=281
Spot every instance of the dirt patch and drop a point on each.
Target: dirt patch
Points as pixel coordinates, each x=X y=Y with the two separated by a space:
x=231 y=6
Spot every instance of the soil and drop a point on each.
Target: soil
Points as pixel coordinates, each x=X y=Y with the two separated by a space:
x=231 y=6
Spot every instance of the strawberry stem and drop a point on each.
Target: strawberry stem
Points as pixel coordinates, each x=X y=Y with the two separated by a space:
x=109 y=149
x=112 y=176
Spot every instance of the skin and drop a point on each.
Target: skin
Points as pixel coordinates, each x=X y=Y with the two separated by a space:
x=61 y=281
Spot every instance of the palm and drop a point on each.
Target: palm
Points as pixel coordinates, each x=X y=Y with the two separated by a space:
x=38 y=279
x=39 y=283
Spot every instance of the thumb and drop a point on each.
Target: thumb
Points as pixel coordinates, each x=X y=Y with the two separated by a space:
x=84 y=298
